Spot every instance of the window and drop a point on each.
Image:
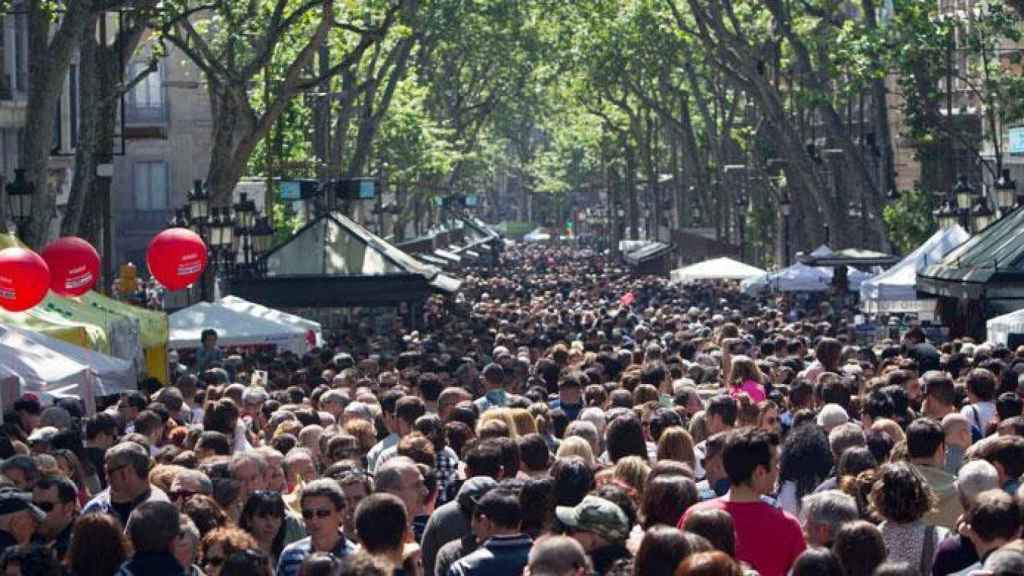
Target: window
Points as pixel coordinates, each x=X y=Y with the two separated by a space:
x=146 y=100
x=149 y=183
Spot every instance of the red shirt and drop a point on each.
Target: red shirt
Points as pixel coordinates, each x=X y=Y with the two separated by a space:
x=767 y=538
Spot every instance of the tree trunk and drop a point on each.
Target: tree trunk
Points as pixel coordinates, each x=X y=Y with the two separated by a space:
x=85 y=151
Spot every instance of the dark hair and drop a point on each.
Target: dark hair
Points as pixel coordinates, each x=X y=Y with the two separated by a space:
x=625 y=437
x=265 y=503
x=533 y=452
x=994 y=515
x=1008 y=405
x=817 y=562
x=573 y=480
x=714 y=524
x=98 y=545
x=1007 y=451
x=724 y=406
x=880 y=444
x=500 y=506
x=924 y=437
x=153 y=525
x=709 y=564
x=537 y=501
x=409 y=408
x=666 y=499
x=878 y=404
x=896 y=569
x=381 y=522
x=859 y=547
x=484 y=459
x=805 y=459
x=901 y=494
x=939 y=385
x=205 y=513
x=206 y=333
x=66 y=489
x=662 y=419
x=221 y=416
x=981 y=383
x=32 y=560
x=745 y=450
x=248 y=562
x=661 y=550
x=327 y=564
x=855 y=460
x=101 y=423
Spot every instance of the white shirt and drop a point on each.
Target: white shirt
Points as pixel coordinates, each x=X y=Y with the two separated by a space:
x=986 y=412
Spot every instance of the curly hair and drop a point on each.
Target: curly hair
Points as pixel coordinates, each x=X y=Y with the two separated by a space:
x=901 y=494
x=230 y=539
x=805 y=459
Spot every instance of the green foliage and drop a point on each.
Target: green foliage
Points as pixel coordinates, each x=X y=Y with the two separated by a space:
x=909 y=219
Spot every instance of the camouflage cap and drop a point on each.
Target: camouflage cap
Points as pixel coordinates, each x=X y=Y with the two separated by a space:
x=594 y=514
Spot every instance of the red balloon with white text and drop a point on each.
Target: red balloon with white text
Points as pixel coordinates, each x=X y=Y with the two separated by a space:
x=24 y=279
x=176 y=258
x=74 y=265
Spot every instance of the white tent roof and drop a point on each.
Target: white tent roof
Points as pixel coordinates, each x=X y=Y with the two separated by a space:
x=1000 y=327
x=822 y=251
x=233 y=329
x=801 y=278
x=715 y=269
x=114 y=375
x=43 y=370
x=537 y=235
x=898 y=284
x=258 y=310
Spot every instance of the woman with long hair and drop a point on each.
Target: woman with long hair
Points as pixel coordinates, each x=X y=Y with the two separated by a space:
x=746 y=378
x=901 y=496
x=98 y=546
x=263 y=518
x=805 y=462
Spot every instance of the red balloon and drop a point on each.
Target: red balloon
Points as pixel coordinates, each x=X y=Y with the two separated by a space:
x=24 y=279
x=74 y=265
x=176 y=258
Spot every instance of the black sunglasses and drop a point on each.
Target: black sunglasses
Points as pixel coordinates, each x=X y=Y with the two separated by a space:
x=321 y=513
x=44 y=506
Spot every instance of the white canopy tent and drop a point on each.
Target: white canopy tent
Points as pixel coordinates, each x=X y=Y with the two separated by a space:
x=27 y=358
x=1007 y=329
x=537 y=235
x=113 y=375
x=895 y=290
x=233 y=329
x=801 y=278
x=311 y=327
x=715 y=269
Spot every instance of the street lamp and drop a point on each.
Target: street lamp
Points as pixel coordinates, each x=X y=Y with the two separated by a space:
x=981 y=214
x=19 y=197
x=198 y=203
x=741 y=204
x=1005 y=193
x=787 y=208
x=945 y=214
x=262 y=236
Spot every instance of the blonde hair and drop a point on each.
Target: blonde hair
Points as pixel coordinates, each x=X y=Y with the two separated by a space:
x=576 y=446
x=162 y=475
x=524 y=421
x=363 y=432
x=891 y=428
x=676 y=444
x=504 y=415
x=632 y=471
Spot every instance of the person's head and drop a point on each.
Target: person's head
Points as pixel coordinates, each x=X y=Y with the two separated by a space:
x=497 y=512
x=21 y=470
x=323 y=505
x=127 y=469
x=153 y=527
x=900 y=494
x=382 y=524
x=400 y=476
x=249 y=470
x=939 y=394
x=557 y=556
x=926 y=442
x=30 y=560
x=824 y=513
x=573 y=480
x=534 y=453
x=58 y=498
x=709 y=564
x=817 y=562
x=19 y=517
x=973 y=478
x=576 y=446
x=750 y=458
x=187 y=483
x=992 y=520
x=585 y=430
x=208 y=337
x=806 y=458
x=1006 y=561
x=721 y=413
x=715 y=526
x=859 y=547
x=28 y=410
x=625 y=437
x=661 y=550
x=493 y=377
x=1006 y=453
x=407 y=410
x=186 y=544
x=570 y=389
x=98 y=545
x=248 y=562
x=676 y=443
x=594 y=522
x=101 y=430
x=263 y=517
x=666 y=499
x=220 y=544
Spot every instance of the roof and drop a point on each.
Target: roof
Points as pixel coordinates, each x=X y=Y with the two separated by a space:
x=648 y=252
x=996 y=254
x=848 y=257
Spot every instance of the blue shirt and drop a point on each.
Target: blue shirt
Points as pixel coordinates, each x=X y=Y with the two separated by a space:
x=295 y=554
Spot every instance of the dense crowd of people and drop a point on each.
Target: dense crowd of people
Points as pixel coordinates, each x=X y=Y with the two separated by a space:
x=559 y=417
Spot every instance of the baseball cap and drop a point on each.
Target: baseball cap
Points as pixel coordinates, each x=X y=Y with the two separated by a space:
x=832 y=415
x=472 y=489
x=12 y=501
x=594 y=514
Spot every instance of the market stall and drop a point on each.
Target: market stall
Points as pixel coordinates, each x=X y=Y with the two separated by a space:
x=715 y=269
x=43 y=370
x=233 y=329
x=314 y=331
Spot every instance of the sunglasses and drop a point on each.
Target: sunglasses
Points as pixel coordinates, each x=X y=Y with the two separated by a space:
x=321 y=513
x=214 y=561
x=44 y=506
x=181 y=495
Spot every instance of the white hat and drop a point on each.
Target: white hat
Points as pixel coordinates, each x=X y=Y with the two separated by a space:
x=832 y=415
